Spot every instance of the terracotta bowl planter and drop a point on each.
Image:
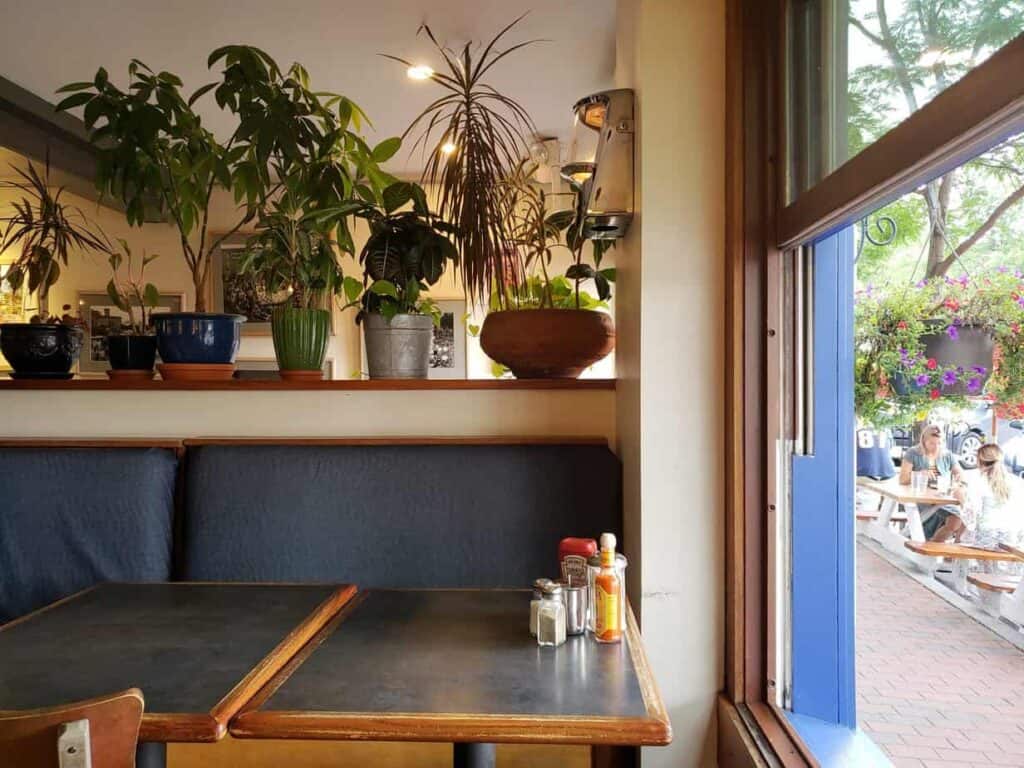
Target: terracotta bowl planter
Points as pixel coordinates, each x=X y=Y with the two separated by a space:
x=547 y=343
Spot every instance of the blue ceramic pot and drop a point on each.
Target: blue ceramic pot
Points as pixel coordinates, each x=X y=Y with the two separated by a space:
x=196 y=337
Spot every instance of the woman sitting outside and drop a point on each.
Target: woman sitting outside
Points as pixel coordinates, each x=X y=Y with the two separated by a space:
x=940 y=523
x=993 y=502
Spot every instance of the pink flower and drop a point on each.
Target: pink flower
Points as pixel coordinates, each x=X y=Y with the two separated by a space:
x=932 y=365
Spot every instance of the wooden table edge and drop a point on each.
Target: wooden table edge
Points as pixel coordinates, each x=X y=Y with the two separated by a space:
x=652 y=730
x=1018 y=553
x=453 y=727
x=908 y=497
x=206 y=727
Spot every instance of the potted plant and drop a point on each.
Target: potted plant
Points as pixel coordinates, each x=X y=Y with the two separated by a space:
x=155 y=153
x=132 y=352
x=45 y=230
x=477 y=137
x=544 y=326
x=944 y=339
x=406 y=253
x=293 y=255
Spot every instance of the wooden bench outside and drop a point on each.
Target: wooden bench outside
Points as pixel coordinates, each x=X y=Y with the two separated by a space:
x=993 y=582
x=926 y=551
x=896 y=517
x=996 y=593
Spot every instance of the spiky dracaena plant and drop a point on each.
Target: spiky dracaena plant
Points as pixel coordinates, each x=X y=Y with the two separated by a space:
x=488 y=131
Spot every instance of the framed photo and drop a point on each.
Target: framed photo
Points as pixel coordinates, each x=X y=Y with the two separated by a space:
x=241 y=294
x=448 y=354
x=256 y=368
x=13 y=303
x=102 y=318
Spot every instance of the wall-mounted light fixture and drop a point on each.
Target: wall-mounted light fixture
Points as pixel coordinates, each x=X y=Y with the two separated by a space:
x=603 y=177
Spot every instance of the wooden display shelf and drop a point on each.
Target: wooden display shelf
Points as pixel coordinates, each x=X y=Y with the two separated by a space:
x=343 y=385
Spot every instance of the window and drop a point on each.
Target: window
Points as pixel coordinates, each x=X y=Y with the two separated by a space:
x=846 y=143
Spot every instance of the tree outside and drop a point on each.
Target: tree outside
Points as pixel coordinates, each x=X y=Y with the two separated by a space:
x=903 y=53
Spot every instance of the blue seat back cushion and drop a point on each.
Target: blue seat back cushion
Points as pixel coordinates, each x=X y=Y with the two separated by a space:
x=74 y=517
x=393 y=516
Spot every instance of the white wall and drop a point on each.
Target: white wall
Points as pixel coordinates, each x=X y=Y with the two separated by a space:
x=671 y=363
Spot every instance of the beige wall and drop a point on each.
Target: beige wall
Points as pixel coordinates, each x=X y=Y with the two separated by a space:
x=670 y=364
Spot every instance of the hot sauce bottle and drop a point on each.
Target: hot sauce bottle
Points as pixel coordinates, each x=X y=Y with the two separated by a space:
x=608 y=595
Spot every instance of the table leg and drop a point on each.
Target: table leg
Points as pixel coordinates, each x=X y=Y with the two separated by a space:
x=471 y=755
x=914 y=527
x=151 y=754
x=614 y=757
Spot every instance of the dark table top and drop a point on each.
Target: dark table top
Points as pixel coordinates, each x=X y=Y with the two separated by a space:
x=197 y=651
x=456 y=665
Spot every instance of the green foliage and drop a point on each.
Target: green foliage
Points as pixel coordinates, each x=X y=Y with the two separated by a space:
x=406 y=253
x=45 y=229
x=154 y=152
x=914 y=51
x=131 y=291
x=487 y=130
x=535 y=232
x=293 y=253
x=895 y=382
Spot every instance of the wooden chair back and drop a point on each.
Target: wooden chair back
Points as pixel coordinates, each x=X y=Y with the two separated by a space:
x=29 y=738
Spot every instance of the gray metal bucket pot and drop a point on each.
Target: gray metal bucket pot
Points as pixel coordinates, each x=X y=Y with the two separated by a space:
x=399 y=348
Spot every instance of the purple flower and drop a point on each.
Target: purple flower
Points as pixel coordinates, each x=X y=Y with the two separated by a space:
x=974 y=384
x=1020 y=300
x=964 y=280
x=920 y=283
x=922 y=379
x=949 y=378
x=979 y=369
x=1002 y=269
x=904 y=357
x=953 y=332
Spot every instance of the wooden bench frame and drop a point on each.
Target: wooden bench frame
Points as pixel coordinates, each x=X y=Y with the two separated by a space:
x=928 y=552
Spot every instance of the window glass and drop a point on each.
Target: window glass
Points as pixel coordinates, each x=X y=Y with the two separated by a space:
x=857 y=68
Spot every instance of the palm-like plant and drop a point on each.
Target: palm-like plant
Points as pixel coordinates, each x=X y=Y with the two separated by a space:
x=479 y=136
x=47 y=230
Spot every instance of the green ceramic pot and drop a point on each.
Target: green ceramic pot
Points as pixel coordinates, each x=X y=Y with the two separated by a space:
x=300 y=338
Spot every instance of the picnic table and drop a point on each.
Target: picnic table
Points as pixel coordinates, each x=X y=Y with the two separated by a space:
x=894 y=493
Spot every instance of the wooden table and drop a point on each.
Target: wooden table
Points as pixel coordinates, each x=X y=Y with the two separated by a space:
x=894 y=493
x=197 y=651
x=459 y=666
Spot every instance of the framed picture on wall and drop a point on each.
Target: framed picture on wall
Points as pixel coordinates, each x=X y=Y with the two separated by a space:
x=102 y=317
x=13 y=303
x=241 y=294
x=448 y=353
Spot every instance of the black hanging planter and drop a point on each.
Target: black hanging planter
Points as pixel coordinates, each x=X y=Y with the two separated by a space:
x=972 y=349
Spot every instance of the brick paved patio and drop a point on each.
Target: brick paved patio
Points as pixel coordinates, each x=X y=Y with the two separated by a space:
x=935 y=689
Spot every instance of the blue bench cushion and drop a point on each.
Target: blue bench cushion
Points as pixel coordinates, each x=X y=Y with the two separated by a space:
x=73 y=517
x=393 y=515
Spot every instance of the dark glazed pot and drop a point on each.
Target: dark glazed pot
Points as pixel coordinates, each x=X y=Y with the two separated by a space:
x=196 y=337
x=36 y=350
x=972 y=347
x=131 y=353
x=548 y=343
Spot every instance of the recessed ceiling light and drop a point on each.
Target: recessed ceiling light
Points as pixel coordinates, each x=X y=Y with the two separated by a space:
x=419 y=72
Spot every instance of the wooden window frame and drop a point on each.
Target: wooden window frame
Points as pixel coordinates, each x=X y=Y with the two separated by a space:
x=972 y=115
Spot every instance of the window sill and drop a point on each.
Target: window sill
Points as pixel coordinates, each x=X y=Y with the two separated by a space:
x=836 y=745
x=343 y=385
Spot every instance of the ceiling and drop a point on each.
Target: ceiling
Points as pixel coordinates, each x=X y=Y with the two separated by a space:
x=52 y=42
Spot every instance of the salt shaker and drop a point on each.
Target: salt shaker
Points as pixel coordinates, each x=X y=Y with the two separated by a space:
x=551 y=616
x=538 y=594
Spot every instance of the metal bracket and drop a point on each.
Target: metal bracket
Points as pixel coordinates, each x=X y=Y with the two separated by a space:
x=73 y=747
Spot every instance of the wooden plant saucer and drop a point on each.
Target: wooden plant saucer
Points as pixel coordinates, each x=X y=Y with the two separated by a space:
x=130 y=375
x=316 y=375
x=196 y=371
